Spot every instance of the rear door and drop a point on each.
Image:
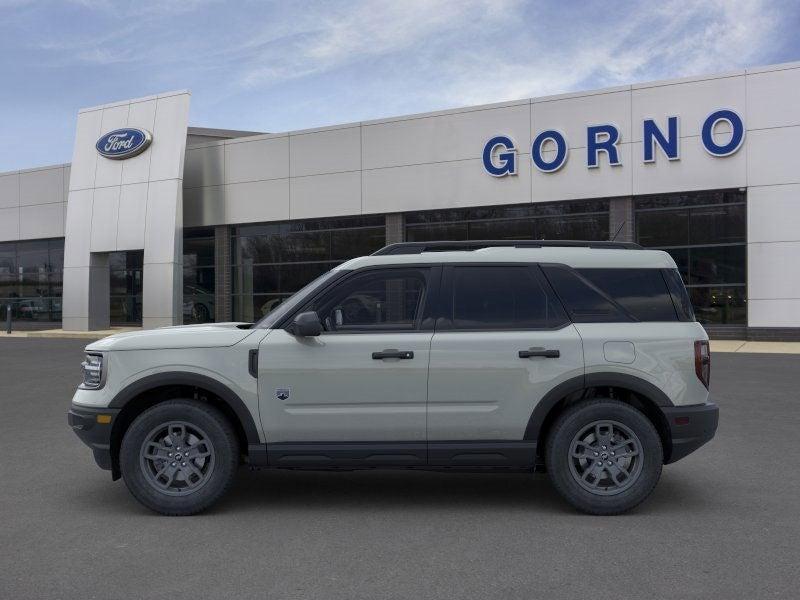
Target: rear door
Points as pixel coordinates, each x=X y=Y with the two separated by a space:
x=501 y=343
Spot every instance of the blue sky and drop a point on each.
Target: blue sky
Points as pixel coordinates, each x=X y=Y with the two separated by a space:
x=276 y=66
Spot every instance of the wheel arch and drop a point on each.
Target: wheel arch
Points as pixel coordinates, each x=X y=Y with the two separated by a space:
x=630 y=389
x=154 y=389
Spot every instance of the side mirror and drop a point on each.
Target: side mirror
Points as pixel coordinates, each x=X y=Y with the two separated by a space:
x=306 y=324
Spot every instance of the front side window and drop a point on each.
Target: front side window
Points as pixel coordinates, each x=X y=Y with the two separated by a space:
x=377 y=301
x=508 y=297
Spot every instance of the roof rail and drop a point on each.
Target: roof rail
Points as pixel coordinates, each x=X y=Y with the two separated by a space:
x=420 y=247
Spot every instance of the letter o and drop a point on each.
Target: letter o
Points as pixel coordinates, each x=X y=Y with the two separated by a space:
x=737 y=125
x=562 y=150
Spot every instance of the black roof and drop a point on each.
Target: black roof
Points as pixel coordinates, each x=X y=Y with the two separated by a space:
x=445 y=246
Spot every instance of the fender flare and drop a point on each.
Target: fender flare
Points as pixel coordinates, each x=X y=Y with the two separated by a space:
x=220 y=390
x=570 y=386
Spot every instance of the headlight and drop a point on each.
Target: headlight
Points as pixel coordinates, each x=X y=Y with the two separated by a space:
x=92 y=369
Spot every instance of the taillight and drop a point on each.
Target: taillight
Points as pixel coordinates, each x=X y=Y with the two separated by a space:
x=702 y=361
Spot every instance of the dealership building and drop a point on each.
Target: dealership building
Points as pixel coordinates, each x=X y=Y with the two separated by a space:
x=157 y=223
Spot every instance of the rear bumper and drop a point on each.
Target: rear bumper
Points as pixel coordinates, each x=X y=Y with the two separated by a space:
x=690 y=427
x=97 y=436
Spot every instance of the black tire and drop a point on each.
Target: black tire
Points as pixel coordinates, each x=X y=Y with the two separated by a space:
x=218 y=467
x=571 y=474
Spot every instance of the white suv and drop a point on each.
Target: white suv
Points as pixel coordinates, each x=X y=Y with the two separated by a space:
x=579 y=358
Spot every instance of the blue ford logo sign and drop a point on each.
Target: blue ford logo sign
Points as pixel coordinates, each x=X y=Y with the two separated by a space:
x=123 y=143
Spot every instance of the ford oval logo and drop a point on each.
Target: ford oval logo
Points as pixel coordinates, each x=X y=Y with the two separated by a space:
x=123 y=143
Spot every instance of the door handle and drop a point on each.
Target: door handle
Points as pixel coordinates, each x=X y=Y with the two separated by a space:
x=403 y=354
x=531 y=352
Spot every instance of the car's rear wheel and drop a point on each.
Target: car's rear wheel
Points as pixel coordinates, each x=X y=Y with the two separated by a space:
x=179 y=457
x=604 y=456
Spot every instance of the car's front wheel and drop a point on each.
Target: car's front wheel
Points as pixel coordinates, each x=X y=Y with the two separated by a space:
x=179 y=457
x=604 y=456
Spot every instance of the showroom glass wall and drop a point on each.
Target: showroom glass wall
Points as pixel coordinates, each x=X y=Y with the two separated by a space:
x=273 y=260
x=31 y=276
x=198 y=275
x=706 y=234
x=579 y=220
x=125 y=270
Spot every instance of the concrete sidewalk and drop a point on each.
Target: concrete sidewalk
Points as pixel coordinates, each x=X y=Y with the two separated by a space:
x=756 y=347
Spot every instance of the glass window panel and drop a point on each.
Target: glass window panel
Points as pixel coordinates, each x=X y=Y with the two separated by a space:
x=690 y=199
x=427 y=233
x=307 y=246
x=198 y=281
x=718 y=224
x=681 y=258
x=126 y=310
x=249 y=279
x=584 y=303
x=720 y=305
x=295 y=276
x=267 y=249
x=507 y=297
x=8 y=258
x=57 y=258
x=501 y=230
x=663 y=228
x=251 y=308
x=349 y=243
x=34 y=261
x=588 y=227
x=197 y=307
x=9 y=286
x=437 y=216
x=714 y=265
x=198 y=252
x=643 y=292
x=386 y=300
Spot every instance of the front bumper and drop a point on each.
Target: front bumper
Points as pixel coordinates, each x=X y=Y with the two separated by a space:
x=690 y=427
x=93 y=431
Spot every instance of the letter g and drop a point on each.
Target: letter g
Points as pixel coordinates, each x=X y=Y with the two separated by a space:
x=507 y=157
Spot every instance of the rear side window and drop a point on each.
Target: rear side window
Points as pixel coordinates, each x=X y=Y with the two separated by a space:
x=585 y=302
x=499 y=297
x=642 y=292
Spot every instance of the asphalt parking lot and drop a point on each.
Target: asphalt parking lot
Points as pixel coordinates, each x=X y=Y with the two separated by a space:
x=723 y=523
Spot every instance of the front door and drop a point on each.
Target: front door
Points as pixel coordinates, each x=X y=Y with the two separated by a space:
x=502 y=343
x=357 y=393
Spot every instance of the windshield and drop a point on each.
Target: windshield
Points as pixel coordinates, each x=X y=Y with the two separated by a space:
x=293 y=301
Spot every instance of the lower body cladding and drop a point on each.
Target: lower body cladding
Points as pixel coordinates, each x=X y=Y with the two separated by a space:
x=94 y=426
x=689 y=428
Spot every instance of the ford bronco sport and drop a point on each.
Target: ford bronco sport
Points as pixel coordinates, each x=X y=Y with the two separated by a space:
x=582 y=359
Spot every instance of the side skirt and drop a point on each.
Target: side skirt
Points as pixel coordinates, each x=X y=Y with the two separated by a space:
x=503 y=455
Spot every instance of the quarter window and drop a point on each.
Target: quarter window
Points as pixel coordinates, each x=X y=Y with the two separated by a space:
x=502 y=297
x=585 y=302
x=642 y=292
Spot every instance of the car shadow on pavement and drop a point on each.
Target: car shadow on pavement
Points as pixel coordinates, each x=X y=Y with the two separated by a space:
x=392 y=490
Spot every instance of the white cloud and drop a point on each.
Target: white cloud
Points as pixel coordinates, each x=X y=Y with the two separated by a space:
x=325 y=38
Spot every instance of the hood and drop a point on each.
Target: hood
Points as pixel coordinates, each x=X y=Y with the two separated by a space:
x=209 y=335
